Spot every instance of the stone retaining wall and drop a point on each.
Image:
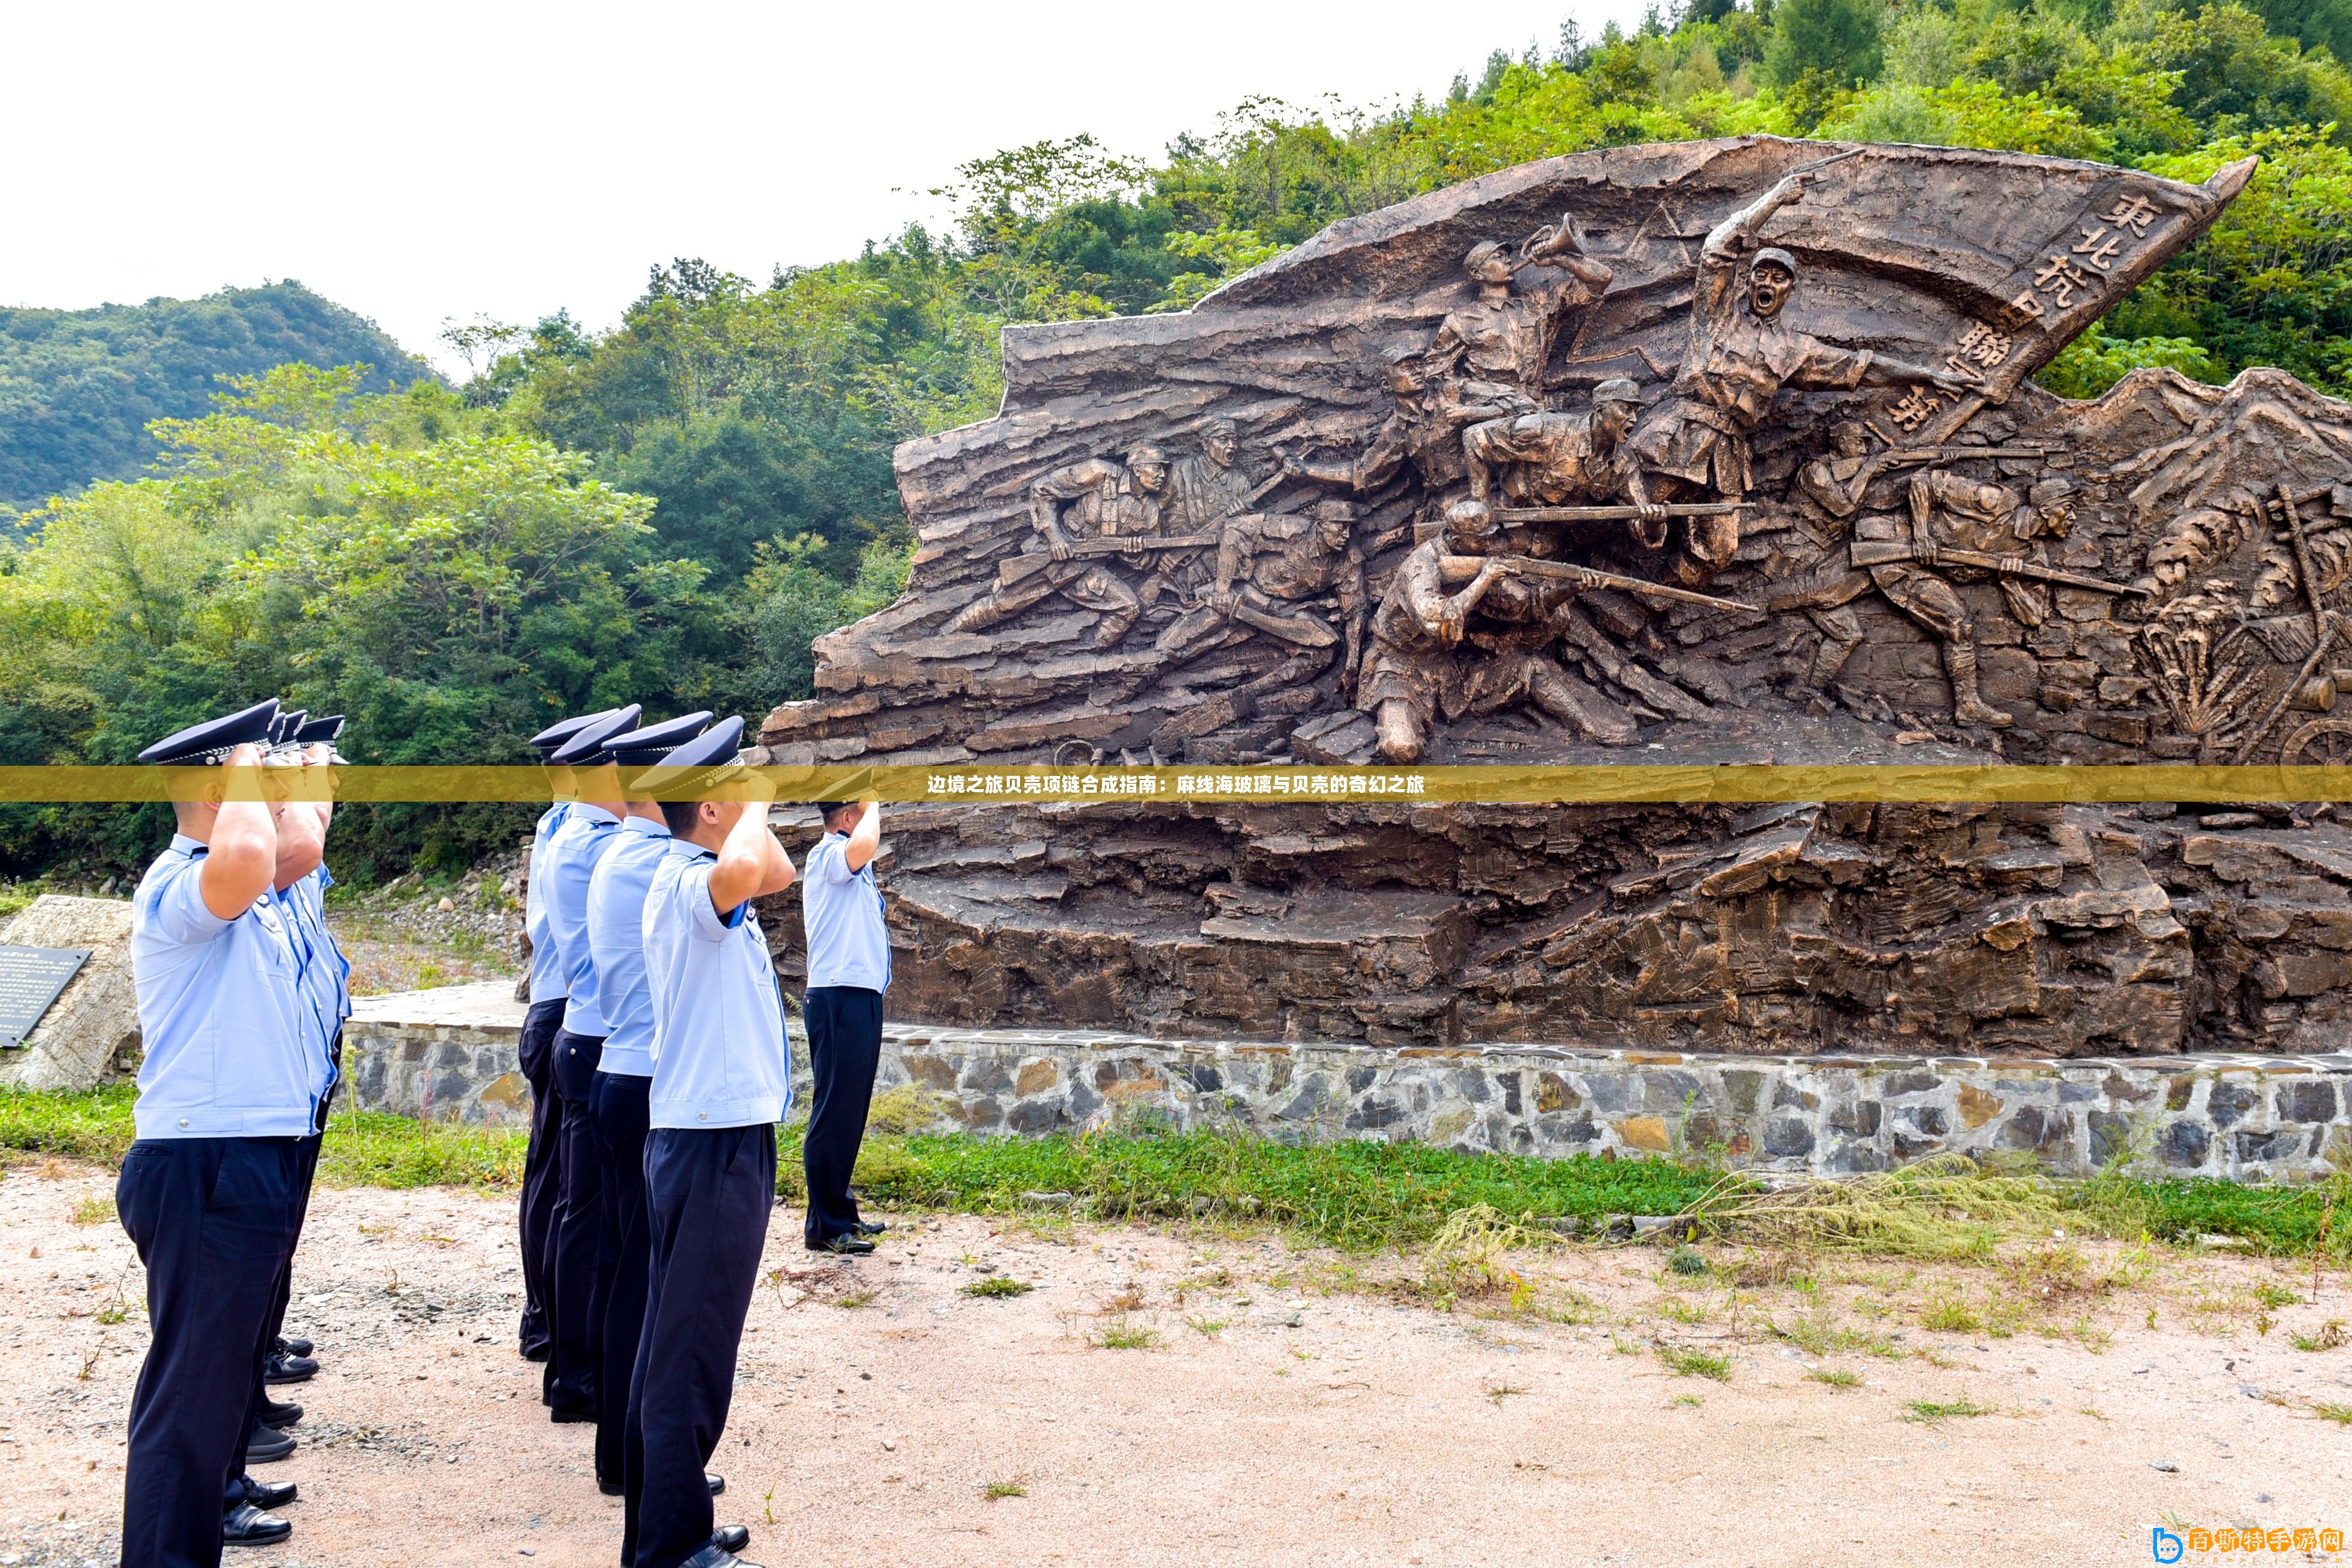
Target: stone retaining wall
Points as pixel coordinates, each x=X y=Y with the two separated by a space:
x=451 y=1054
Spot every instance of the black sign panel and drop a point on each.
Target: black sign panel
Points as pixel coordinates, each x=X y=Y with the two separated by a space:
x=31 y=980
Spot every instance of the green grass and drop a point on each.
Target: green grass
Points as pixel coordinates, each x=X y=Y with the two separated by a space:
x=1002 y=1285
x=361 y=1149
x=1836 y=1377
x=996 y=1490
x=1125 y=1336
x=1695 y=1362
x=1927 y=1411
x=2339 y=1414
x=1355 y=1195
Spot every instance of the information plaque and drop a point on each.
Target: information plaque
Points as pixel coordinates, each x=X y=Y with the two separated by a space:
x=31 y=980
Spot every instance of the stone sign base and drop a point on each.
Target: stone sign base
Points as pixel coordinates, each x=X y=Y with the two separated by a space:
x=451 y=1054
x=91 y=1032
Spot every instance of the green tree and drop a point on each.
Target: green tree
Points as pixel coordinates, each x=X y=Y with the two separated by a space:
x=1837 y=39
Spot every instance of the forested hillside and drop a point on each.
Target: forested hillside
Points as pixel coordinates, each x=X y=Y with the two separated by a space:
x=78 y=387
x=667 y=512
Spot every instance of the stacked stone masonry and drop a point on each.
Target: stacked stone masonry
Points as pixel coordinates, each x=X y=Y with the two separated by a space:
x=450 y=1055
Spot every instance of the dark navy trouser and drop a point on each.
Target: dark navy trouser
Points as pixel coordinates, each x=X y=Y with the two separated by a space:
x=274 y=1322
x=625 y=1257
x=215 y=1221
x=574 y=1245
x=275 y=1327
x=844 y=1030
x=707 y=1194
x=542 y=1161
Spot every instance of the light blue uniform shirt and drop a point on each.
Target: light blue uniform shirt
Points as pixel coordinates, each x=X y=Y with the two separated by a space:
x=718 y=1023
x=570 y=860
x=847 y=942
x=616 y=942
x=546 y=970
x=221 y=1015
x=325 y=974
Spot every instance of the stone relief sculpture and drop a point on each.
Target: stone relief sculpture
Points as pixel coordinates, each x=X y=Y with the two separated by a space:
x=1722 y=452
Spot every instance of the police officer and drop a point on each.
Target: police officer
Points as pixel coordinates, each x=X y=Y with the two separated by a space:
x=210 y=1192
x=324 y=978
x=722 y=1081
x=590 y=829
x=542 y=1157
x=617 y=1095
x=848 y=971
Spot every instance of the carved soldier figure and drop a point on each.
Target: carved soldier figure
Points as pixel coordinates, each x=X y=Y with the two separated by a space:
x=1565 y=459
x=1107 y=500
x=1416 y=669
x=1950 y=512
x=1269 y=566
x=1203 y=490
x=1505 y=334
x=1425 y=427
x=1740 y=354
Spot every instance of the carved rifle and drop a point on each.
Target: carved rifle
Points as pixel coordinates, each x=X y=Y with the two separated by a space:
x=1906 y=457
x=1457 y=569
x=1015 y=569
x=1887 y=552
x=1515 y=516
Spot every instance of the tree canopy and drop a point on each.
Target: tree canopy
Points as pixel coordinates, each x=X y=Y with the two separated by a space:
x=667 y=512
x=78 y=387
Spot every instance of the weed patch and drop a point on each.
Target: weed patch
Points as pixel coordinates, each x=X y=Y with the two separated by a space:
x=1836 y=1377
x=1927 y=1411
x=1685 y=1363
x=1000 y=1285
x=1127 y=1336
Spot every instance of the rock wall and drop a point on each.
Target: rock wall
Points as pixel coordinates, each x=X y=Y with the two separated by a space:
x=1791 y=929
x=2277 y=1118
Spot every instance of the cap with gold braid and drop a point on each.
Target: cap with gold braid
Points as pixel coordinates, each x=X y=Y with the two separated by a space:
x=208 y=744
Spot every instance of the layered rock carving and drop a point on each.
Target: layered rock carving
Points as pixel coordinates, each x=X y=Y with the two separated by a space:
x=1726 y=451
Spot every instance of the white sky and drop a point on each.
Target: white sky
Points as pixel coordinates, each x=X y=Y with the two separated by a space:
x=422 y=160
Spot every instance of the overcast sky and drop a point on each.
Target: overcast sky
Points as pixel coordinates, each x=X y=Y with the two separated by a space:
x=424 y=161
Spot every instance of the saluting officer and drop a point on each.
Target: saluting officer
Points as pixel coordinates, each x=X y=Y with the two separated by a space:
x=535 y=1052
x=588 y=830
x=618 y=1096
x=323 y=978
x=721 y=1082
x=210 y=1192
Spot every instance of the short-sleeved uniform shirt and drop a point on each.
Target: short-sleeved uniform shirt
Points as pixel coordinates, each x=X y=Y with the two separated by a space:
x=718 y=1023
x=570 y=860
x=616 y=944
x=848 y=945
x=546 y=969
x=221 y=1015
x=325 y=975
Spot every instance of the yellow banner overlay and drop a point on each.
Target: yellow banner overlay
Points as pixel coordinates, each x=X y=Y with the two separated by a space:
x=1260 y=784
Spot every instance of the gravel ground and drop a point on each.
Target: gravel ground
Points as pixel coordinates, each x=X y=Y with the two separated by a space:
x=1267 y=1407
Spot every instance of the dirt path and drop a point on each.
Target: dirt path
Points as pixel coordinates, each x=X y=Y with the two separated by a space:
x=879 y=1405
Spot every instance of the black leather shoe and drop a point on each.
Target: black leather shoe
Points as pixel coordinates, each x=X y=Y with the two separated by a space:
x=870 y=1228
x=730 y=1537
x=715 y=1556
x=248 y=1526
x=281 y=1367
x=263 y=1494
x=294 y=1346
x=717 y=1482
x=280 y=1413
x=611 y=1488
x=538 y=1352
x=847 y=1244
x=573 y=1417
x=268 y=1446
